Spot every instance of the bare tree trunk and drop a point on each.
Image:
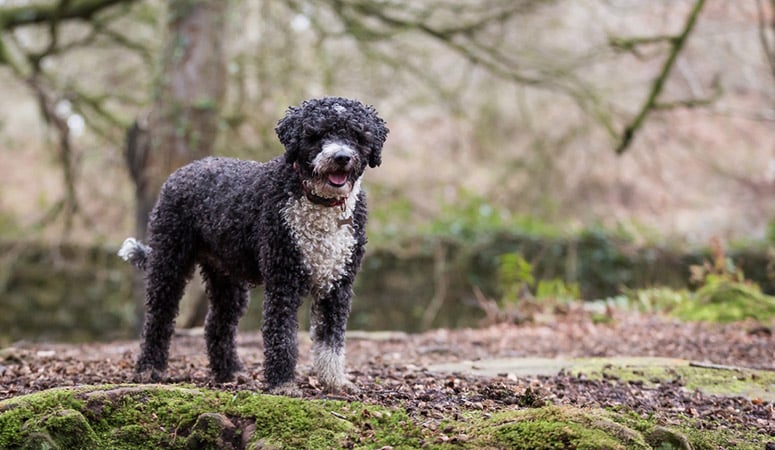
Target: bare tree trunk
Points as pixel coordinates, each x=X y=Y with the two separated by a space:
x=183 y=122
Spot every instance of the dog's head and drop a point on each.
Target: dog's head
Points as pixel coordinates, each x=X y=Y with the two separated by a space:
x=330 y=141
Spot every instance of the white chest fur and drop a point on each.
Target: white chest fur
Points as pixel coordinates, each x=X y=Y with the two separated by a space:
x=325 y=237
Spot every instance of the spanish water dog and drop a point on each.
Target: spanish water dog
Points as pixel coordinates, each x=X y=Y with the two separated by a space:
x=295 y=224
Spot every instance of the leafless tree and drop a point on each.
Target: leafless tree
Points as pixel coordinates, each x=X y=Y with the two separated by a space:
x=183 y=120
x=486 y=34
x=25 y=51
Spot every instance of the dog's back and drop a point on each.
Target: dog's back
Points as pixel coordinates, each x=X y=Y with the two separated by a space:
x=220 y=202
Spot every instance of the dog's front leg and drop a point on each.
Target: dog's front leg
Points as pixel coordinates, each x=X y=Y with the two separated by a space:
x=281 y=303
x=328 y=323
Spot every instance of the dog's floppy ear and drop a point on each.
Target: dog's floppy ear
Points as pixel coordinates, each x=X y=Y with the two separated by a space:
x=375 y=133
x=288 y=130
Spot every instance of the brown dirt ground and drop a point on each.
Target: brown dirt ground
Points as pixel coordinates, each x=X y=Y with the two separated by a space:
x=392 y=369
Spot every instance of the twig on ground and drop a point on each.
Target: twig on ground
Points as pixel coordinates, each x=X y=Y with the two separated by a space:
x=703 y=365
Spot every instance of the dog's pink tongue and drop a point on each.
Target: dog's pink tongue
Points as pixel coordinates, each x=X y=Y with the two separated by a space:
x=337 y=178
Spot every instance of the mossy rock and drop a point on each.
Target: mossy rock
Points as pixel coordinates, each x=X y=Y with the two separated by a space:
x=560 y=428
x=566 y=427
x=667 y=439
x=182 y=417
x=69 y=429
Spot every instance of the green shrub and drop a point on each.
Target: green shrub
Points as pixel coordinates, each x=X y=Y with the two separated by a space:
x=727 y=301
x=517 y=282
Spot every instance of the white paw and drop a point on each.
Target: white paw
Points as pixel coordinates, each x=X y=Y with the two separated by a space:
x=342 y=386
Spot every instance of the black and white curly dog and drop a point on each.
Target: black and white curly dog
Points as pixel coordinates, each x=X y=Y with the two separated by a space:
x=295 y=223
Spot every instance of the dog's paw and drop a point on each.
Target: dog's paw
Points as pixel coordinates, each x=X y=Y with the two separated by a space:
x=288 y=389
x=342 y=386
x=242 y=377
x=148 y=376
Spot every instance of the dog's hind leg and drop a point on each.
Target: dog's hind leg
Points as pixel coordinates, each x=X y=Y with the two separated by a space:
x=167 y=271
x=228 y=302
x=328 y=323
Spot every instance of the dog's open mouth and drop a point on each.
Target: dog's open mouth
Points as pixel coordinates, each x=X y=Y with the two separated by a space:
x=337 y=179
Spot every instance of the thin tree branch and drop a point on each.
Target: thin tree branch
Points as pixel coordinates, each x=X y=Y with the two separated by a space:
x=27 y=66
x=692 y=102
x=18 y=16
x=463 y=39
x=69 y=204
x=9 y=60
x=99 y=28
x=632 y=44
x=446 y=36
x=656 y=88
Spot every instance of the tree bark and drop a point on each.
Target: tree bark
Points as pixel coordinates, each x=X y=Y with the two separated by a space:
x=183 y=122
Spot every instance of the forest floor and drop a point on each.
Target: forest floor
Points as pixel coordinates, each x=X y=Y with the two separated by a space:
x=417 y=371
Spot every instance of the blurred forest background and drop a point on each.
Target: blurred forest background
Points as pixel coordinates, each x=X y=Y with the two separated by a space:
x=606 y=142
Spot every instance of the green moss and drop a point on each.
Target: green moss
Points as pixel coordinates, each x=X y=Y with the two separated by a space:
x=180 y=417
x=211 y=431
x=392 y=428
x=68 y=429
x=652 y=371
x=727 y=301
x=129 y=433
x=146 y=416
x=744 y=382
x=39 y=441
x=561 y=428
x=17 y=413
x=293 y=422
x=554 y=427
x=552 y=435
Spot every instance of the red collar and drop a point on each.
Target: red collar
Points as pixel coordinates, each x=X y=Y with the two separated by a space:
x=316 y=199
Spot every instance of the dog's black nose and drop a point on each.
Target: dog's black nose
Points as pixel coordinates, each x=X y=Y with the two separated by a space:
x=342 y=158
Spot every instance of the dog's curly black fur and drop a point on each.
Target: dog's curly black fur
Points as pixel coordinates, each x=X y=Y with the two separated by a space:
x=295 y=224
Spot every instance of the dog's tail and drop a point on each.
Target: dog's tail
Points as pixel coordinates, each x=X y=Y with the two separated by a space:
x=135 y=252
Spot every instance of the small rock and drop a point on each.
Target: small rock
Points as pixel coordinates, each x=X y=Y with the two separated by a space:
x=211 y=430
x=661 y=436
x=70 y=429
